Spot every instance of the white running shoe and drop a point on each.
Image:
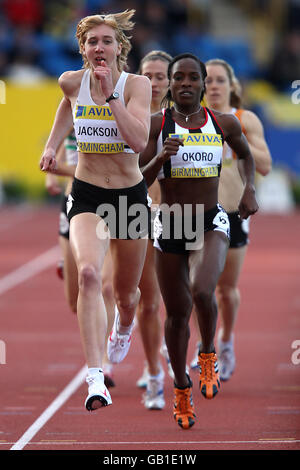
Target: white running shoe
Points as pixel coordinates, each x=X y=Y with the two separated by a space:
x=98 y=395
x=194 y=361
x=153 y=398
x=142 y=381
x=226 y=357
x=118 y=345
x=165 y=354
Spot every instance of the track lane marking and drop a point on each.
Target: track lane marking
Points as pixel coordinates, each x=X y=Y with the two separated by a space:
x=10 y=281
x=129 y=443
x=30 y=269
x=51 y=410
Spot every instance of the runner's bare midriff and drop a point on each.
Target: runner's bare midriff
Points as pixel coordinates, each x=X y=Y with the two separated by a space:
x=110 y=174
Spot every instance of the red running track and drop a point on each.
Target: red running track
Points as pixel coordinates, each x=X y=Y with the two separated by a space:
x=258 y=409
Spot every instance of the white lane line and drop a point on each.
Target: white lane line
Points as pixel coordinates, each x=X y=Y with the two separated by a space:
x=11 y=280
x=30 y=269
x=51 y=410
x=73 y=442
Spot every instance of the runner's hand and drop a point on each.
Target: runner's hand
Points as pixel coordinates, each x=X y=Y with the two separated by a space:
x=171 y=147
x=48 y=162
x=248 y=204
x=104 y=75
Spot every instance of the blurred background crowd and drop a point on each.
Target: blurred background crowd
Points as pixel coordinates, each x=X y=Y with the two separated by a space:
x=259 y=38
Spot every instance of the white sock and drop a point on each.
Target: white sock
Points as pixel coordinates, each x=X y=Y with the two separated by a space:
x=124 y=330
x=226 y=344
x=94 y=370
x=156 y=376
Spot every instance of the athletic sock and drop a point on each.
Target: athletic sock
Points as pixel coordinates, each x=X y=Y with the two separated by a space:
x=155 y=376
x=123 y=330
x=94 y=370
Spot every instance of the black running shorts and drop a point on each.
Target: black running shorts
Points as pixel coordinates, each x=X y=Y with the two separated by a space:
x=170 y=234
x=239 y=230
x=126 y=211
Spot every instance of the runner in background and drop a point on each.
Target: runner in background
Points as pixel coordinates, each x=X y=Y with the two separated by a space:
x=67 y=159
x=154 y=66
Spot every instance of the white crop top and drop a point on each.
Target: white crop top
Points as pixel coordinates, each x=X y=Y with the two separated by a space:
x=201 y=154
x=95 y=127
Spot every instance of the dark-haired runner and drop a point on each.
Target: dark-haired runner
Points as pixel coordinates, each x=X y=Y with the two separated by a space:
x=185 y=154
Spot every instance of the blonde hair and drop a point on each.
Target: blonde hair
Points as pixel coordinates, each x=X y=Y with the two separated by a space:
x=236 y=93
x=120 y=22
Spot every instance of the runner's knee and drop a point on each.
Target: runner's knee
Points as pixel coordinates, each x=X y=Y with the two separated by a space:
x=228 y=294
x=149 y=309
x=107 y=290
x=88 y=276
x=126 y=301
x=203 y=298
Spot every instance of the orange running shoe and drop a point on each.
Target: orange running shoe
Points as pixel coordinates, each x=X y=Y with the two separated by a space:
x=209 y=381
x=184 y=413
